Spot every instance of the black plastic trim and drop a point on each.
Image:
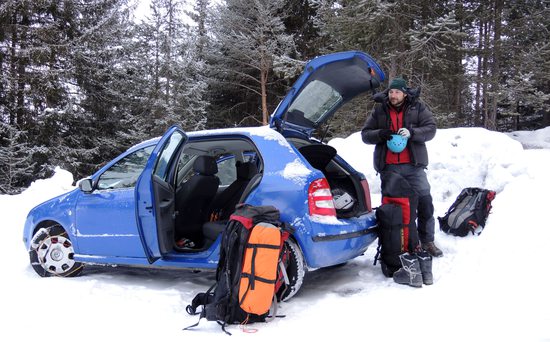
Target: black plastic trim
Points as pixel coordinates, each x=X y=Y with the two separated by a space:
x=344 y=236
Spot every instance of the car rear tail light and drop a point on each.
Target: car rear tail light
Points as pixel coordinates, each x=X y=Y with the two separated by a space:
x=366 y=190
x=320 y=199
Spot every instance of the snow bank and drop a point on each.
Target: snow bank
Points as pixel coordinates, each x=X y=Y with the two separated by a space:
x=488 y=287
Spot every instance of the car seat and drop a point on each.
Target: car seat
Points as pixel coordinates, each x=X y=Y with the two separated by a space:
x=224 y=204
x=193 y=198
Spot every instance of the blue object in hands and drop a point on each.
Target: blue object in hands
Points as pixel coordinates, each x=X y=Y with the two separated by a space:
x=397 y=143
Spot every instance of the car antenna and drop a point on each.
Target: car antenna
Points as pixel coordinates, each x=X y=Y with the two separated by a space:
x=325 y=133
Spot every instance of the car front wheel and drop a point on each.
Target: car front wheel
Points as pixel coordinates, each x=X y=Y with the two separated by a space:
x=52 y=253
x=293 y=261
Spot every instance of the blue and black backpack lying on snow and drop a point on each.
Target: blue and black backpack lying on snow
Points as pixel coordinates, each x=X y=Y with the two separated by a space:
x=468 y=213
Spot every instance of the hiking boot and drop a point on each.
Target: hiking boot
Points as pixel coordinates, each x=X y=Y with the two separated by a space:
x=409 y=273
x=425 y=260
x=431 y=248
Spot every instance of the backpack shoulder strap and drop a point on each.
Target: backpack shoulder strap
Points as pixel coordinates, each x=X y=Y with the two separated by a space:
x=202 y=298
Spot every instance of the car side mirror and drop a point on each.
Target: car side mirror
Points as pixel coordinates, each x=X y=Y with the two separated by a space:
x=86 y=185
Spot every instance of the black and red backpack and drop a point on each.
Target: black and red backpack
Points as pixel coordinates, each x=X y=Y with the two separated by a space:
x=468 y=213
x=396 y=217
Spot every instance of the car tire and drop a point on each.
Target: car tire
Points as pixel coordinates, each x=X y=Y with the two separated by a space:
x=52 y=253
x=295 y=267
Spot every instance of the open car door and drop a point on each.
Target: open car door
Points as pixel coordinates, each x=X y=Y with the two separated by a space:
x=326 y=84
x=155 y=196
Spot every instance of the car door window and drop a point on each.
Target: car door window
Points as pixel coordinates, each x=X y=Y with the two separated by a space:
x=125 y=172
x=227 y=173
x=162 y=167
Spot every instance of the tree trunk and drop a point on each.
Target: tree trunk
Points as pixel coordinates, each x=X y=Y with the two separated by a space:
x=156 y=76
x=492 y=118
x=546 y=118
x=22 y=119
x=459 y=9
x=479 y=78
x=13 y=71
x=393 y=68
x=201 y=8
x=485 y=73
x=263 y=85
x=169 y=50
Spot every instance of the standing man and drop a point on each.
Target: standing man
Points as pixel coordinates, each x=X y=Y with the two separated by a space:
x=399 y=111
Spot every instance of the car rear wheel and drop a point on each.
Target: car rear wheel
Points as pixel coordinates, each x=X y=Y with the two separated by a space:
x=52 y=253
x=293 y=260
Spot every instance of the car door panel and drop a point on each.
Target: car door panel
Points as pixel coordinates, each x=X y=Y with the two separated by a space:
x=164 y=196
x=106 y=224
x=154 y=196
x=105 y=219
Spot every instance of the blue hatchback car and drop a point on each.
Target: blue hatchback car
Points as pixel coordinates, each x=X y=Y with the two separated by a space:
x=165 y=202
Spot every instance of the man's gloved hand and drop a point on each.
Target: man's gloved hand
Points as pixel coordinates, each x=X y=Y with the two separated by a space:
x=385 y=134
x=405 y=133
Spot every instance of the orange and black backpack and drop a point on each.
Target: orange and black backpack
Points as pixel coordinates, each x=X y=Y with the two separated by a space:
x=248 y=273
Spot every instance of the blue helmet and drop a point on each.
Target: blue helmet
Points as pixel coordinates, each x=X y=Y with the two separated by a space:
x=397 y=143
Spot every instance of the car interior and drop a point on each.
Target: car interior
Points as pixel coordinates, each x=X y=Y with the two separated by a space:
x=213 y=176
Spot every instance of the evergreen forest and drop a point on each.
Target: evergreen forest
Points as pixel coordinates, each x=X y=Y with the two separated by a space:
x=83 y=80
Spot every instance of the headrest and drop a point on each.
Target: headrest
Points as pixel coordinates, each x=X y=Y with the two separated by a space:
x=205 y=165
x=246 y=170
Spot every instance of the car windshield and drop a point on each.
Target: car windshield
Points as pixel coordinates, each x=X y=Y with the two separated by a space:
x=315 y=100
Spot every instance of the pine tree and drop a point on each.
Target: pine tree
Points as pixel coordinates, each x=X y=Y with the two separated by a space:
x=300 y=23
x=87 y=132
x=525 y=68
x=16 y=159
x=417 y=40
x=63 y=83
x=251 y=38
x=175 y=90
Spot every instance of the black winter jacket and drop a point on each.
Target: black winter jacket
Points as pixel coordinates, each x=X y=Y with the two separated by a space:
x=418 y=119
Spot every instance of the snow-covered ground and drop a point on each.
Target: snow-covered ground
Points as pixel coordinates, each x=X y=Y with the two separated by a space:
x=492 y=287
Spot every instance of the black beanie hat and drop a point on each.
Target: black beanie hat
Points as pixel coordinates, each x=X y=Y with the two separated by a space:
x=399 y=84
